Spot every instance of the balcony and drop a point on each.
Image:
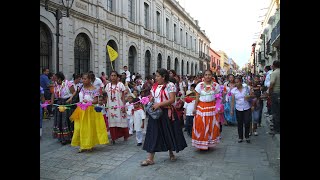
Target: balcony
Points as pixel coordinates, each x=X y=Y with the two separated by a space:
x=275 y=35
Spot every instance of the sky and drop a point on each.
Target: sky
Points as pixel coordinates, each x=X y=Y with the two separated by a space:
x=231 y=25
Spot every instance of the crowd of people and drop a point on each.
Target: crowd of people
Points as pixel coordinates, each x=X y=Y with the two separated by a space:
x=87 y=108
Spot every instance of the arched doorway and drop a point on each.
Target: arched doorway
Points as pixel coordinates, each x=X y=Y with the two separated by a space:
x=159 y=61
x=176 y=64
x=81 y=54
x=114 y=46
x=168 y=63
x=147 y=59
x=187 y=67
x=45 y=47
x=182 y=64
x=192 y=70
x=131 y=58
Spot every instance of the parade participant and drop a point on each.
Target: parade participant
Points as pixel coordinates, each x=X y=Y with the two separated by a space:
x=230 y=84
x=165 y=133
x=138 y=120
x=188 y=111
x=89 y=125
x=117 y=116
x=63 y=92
x=206 y=128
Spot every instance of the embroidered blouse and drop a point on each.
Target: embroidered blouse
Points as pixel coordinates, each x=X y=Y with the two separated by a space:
x=207 y=91
x=160 y=96
x=63 y=91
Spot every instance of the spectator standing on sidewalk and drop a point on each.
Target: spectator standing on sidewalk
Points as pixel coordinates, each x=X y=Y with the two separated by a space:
x=274 y=92
x=240 y=100
x=268 y=71
x=127 y=73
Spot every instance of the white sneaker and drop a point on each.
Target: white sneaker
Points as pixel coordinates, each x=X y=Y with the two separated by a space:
x=255 y=133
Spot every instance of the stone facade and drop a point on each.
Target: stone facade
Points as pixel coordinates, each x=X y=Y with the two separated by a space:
x=129 y=27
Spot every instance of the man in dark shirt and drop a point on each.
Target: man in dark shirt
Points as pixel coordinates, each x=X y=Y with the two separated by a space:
x=45 y=84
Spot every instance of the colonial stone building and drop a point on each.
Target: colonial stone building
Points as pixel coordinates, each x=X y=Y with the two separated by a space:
x=147 y=34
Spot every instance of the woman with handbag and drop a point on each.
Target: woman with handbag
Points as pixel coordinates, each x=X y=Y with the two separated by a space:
x=206 y=128
x=164 y=132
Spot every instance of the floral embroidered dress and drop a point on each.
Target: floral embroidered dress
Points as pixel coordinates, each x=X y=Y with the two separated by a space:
x=206 y=128
x=89 y=125
x=117 y=118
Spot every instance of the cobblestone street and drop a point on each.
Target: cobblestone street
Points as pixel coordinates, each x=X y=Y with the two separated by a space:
x=230 y=160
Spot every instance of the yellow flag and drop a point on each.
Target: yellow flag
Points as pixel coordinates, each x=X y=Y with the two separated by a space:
x=112 y=53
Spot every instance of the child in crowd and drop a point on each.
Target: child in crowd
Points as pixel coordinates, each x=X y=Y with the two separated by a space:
x=188 y=111
x=136 y=94
x=129 y=108
x=138 y=117
x=102 y=103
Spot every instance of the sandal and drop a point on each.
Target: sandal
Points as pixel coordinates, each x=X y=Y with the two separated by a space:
x=147 y=162
x=173 y=158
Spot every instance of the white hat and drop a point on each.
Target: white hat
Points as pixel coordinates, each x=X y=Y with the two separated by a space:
x=188 y=92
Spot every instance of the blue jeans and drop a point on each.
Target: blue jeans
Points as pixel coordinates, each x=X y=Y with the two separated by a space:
x=189 y=124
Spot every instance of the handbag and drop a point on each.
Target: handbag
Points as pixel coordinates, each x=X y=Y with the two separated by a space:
x=155 y=114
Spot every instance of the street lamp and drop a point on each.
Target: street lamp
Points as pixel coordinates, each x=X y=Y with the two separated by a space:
x=67 y=4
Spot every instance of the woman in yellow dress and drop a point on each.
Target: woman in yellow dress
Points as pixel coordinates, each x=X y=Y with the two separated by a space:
x=89 y=125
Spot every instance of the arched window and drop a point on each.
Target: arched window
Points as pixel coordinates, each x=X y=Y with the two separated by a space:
x=176 y=64
x=132 y=57
x=187 y=67
x=81 y=54
x=192 y=70
x=159 y=61
x=45 y=47
x=112 y=44
x=168 y=63
x=196 y=69
x=147 y=59
x=182 y=64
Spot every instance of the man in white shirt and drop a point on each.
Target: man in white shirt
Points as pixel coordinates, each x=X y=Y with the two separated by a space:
x=96 y=82
x=268 y=70
x=127 y=73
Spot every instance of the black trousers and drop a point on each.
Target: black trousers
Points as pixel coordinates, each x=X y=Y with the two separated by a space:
x=243 y=117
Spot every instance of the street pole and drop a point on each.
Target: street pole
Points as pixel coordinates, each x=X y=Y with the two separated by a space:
x=67 y=4
x=58 y=16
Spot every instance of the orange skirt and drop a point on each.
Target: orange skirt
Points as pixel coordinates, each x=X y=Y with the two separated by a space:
x=206 y=128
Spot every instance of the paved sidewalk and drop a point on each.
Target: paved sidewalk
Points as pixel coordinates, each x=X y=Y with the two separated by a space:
x=230 y=160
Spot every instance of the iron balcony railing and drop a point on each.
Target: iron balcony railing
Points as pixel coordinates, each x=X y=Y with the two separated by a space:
x=275 y=32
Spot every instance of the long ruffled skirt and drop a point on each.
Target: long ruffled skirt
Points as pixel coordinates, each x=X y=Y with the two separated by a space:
x=206 y=128
x=89 y=128
x=164 y=134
